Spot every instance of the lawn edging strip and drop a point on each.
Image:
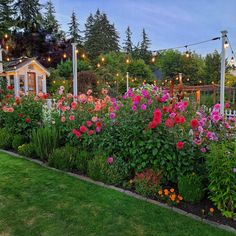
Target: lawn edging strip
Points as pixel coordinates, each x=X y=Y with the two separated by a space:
x=127 y=192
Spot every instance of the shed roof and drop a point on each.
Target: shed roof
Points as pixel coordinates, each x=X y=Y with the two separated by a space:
x=16 y=64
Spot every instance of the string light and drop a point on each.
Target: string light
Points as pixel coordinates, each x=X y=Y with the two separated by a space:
x=177 y=78
x=6 y=36
x=98 y=65
x=7 y=47
x=63 y=81
x=200 y=81
x=64 y=56
x=226 y=44
x=117 y=74
x=49 y=59
x=83 y=55
x=153 y=59
x=8 y=59
x=212 y=82
x=54 y=81
x=77 y=51
x=20 y=60
x=187 y=79
x=127 y=61
x=103 y=59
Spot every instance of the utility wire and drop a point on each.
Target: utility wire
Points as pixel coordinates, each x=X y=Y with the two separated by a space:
x=231 y=48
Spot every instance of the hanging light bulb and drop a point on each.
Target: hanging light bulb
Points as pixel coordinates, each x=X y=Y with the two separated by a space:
x=127 y=61
x=49 y=59
x=77 y=51
x=153 y=59
x=83 y=55
x=187 y=79
x=226 y=44
x=117 y=74
x=232 y=60
x=7 y=47
x=6 y=36
x=103 y=59
x=200 y=81
x=8 y=59
x=98 y=65
x=212 y=82
x=64 y=55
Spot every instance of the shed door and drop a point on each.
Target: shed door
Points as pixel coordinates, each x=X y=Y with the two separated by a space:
x=32 y=82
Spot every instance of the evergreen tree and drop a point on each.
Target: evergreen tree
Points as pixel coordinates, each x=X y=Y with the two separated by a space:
x=145 y=43
x=74 y=30
x=128 y=42
x=50 y=24
x=29 y=16
x=7 y=12
x=100 y=35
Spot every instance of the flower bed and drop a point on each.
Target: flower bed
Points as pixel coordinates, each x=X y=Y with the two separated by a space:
x=144 y=141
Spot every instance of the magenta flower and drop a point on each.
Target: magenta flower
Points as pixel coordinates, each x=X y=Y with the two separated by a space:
x=216 y=118
x=234 y=170
x=112 y=115
x=149 y=101
x=217 y=106
x=203 y=149
x=134 y=108
x=172 y=115
x=110 y=160
x=143 y=107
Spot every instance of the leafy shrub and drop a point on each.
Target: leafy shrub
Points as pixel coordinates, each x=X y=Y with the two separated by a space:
x=97 y=167
x=221 y=164
x=27 y=150
x=81 y=162
x=191 y=188
x=44 y=140
x=63 y=158
x=147 y=182
x=18 y=140
x=5 y=138
x=117 y=171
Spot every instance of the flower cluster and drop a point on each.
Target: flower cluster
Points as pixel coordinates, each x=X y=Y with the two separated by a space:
x=169 y=196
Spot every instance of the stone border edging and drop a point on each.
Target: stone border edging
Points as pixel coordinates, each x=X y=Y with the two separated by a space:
x=126 y=192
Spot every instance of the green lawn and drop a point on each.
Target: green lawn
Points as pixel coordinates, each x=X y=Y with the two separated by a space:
x=37 y=201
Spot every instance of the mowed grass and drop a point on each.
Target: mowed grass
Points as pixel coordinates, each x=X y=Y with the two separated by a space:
x=38 y=201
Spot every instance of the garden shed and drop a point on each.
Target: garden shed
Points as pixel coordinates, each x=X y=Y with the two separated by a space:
x=26 y=75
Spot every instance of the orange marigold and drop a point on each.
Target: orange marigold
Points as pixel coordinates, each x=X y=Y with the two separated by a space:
x=212 y=210
x=166 y=192
x=172 y=197
x=180 y=197
x=172 y=190
x=160 y=192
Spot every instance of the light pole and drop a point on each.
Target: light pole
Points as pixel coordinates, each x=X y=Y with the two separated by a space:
x=222 y=72
x=75 y=79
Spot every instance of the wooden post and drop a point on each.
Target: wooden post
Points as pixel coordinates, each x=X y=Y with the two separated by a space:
x=198 y=96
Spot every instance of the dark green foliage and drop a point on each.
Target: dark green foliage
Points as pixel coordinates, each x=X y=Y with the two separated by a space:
x=18 y=140
x=63 y=158
x=128 y=45
x=118 y=172
x=45 y=140
x=27 y=150
x=100 y=35
x=97 y=167
x=5 y=138
x=81 y=162
x=74 y=30
x=221 y=164
x=191 y=188
x=7 y=12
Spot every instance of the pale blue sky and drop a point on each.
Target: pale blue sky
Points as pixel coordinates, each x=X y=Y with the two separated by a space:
x=168 y=23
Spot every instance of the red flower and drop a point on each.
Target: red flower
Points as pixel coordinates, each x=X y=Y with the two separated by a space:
x=152 y=124
x=185 y=103
x=10 y=87
x=91 y=132
x=27 y=120
x=76 y=132
x=194 y=123
x=169 y=123
x=137 y=99
x=180 y=145
x=182 y=119
x=89 y=123
x=83 y=129
x=99 y=124
x=157 y=113
x=177 y=119
x=20 y=114
x=165 y=109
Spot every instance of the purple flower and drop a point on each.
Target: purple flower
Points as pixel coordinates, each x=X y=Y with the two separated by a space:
x=134 y=108
x=145 y=93
x=110 y=160
x=143 y=107
x=234 y=170
x=112 y=115
x=149 y=101
x=203 y=149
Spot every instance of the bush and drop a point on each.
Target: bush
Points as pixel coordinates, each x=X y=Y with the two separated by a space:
x=117 y=171
x=5 y=138
x=191 y=188
x=81 y=162
x=45 y=140
x=63 y=158
x=18 y=140
x=27 y=150
x=221 y=164
x=147 y=182
x=97 y=168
